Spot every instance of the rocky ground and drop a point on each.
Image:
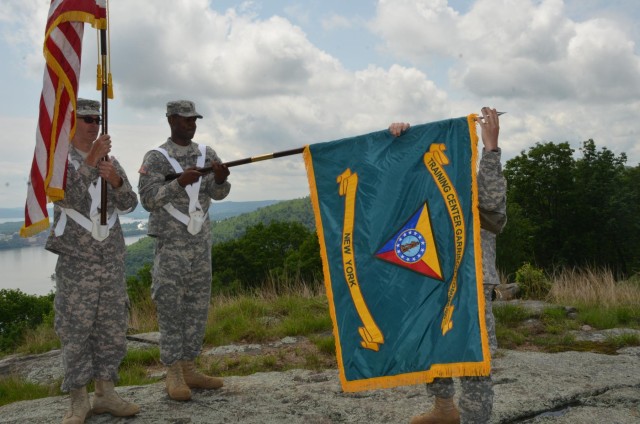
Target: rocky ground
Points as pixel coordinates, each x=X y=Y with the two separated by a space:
x=530 y=387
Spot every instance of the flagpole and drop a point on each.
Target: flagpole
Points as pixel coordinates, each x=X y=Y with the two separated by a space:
x=252 y=159
x=244 y=161
x=105 y=115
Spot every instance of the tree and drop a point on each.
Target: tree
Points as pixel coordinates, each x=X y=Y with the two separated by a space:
x=516 y=242
x=19 y=312
x=629 y=195
x=599 y=230
x=139 y=285
x=571 y=212
x=139 y=254
x=541 y=183
x=263 y=251
x=306 y=261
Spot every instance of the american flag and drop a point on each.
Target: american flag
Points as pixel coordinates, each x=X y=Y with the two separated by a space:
x=56 y=120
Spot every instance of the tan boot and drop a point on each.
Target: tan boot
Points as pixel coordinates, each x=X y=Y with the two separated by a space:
x=197 y=380
x=176 y=386
x=105 y=399
x=80 y=407
x=443 y=412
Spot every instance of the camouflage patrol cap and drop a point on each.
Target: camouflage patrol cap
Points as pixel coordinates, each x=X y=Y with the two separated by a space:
x=184 y=108
x=86 y=107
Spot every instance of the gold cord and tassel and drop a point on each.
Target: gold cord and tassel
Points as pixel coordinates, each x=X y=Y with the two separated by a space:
x=103 y=76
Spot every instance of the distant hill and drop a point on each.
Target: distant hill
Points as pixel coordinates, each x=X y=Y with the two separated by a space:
x=9 y=238
x=217 y=211
x=296 y=210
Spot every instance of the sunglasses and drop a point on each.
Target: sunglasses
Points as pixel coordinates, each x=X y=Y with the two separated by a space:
x=90 y=120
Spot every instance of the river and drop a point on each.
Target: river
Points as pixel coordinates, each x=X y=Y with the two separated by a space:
x=30 y=268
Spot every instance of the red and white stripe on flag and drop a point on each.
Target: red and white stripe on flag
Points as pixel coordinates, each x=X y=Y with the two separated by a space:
x=56 y=120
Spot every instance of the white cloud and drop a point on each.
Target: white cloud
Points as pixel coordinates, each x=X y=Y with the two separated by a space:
x=512 y=49
x=263 y=85
x=559 y=79
x=335 y=22
x=19 y=28
x=414 y=29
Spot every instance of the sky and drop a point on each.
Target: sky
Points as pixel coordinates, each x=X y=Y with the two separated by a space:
x=275 y=75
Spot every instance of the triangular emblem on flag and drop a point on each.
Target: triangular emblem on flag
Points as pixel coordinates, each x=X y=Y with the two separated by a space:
x=413 y=246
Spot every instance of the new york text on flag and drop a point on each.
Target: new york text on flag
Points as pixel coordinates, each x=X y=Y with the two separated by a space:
x=56 y=118
x=399 y=235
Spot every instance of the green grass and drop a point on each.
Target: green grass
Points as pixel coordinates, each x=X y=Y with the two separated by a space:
x=510 y=314
x=623 y=340
x=247 y=364
x=554 y=342
x=133 y=370
x=611 y=317
x=266 y=316
x=514 y=329
x=509 y=338
x=252 y=319
x=40 y=340
x=13 y=389
x=326 y=345
x=556 y=322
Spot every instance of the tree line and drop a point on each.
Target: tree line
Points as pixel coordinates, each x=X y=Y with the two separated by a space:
x=567 y=211
x=564 y=210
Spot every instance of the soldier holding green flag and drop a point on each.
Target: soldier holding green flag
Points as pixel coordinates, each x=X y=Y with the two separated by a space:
x=179 y=222
x=476 y=399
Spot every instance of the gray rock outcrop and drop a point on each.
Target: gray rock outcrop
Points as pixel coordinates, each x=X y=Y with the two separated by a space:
x=531 y=387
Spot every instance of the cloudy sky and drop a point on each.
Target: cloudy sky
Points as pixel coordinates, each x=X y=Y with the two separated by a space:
x=272 y=75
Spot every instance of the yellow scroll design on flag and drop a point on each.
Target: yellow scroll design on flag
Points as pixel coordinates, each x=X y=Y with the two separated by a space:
x=371 y=335
x=434 y=159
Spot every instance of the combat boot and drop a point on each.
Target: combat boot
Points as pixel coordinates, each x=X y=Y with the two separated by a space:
x=443 y=412
x=105 y=399
x=80 y=407
x=176 y=386
x=197 y=380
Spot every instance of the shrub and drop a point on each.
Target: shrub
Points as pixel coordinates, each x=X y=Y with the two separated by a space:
x=139 y=286
x=533 y=282
x=20 y=312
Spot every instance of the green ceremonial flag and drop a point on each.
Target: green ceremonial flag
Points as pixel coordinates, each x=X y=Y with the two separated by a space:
x=399 y=238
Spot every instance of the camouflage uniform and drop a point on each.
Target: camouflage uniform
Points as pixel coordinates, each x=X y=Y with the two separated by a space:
x=182 y=265
x=476 y=400
x=91 y=298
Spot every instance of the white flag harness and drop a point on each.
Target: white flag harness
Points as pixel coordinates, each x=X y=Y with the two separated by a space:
x=98 y=232
x=195 y=219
